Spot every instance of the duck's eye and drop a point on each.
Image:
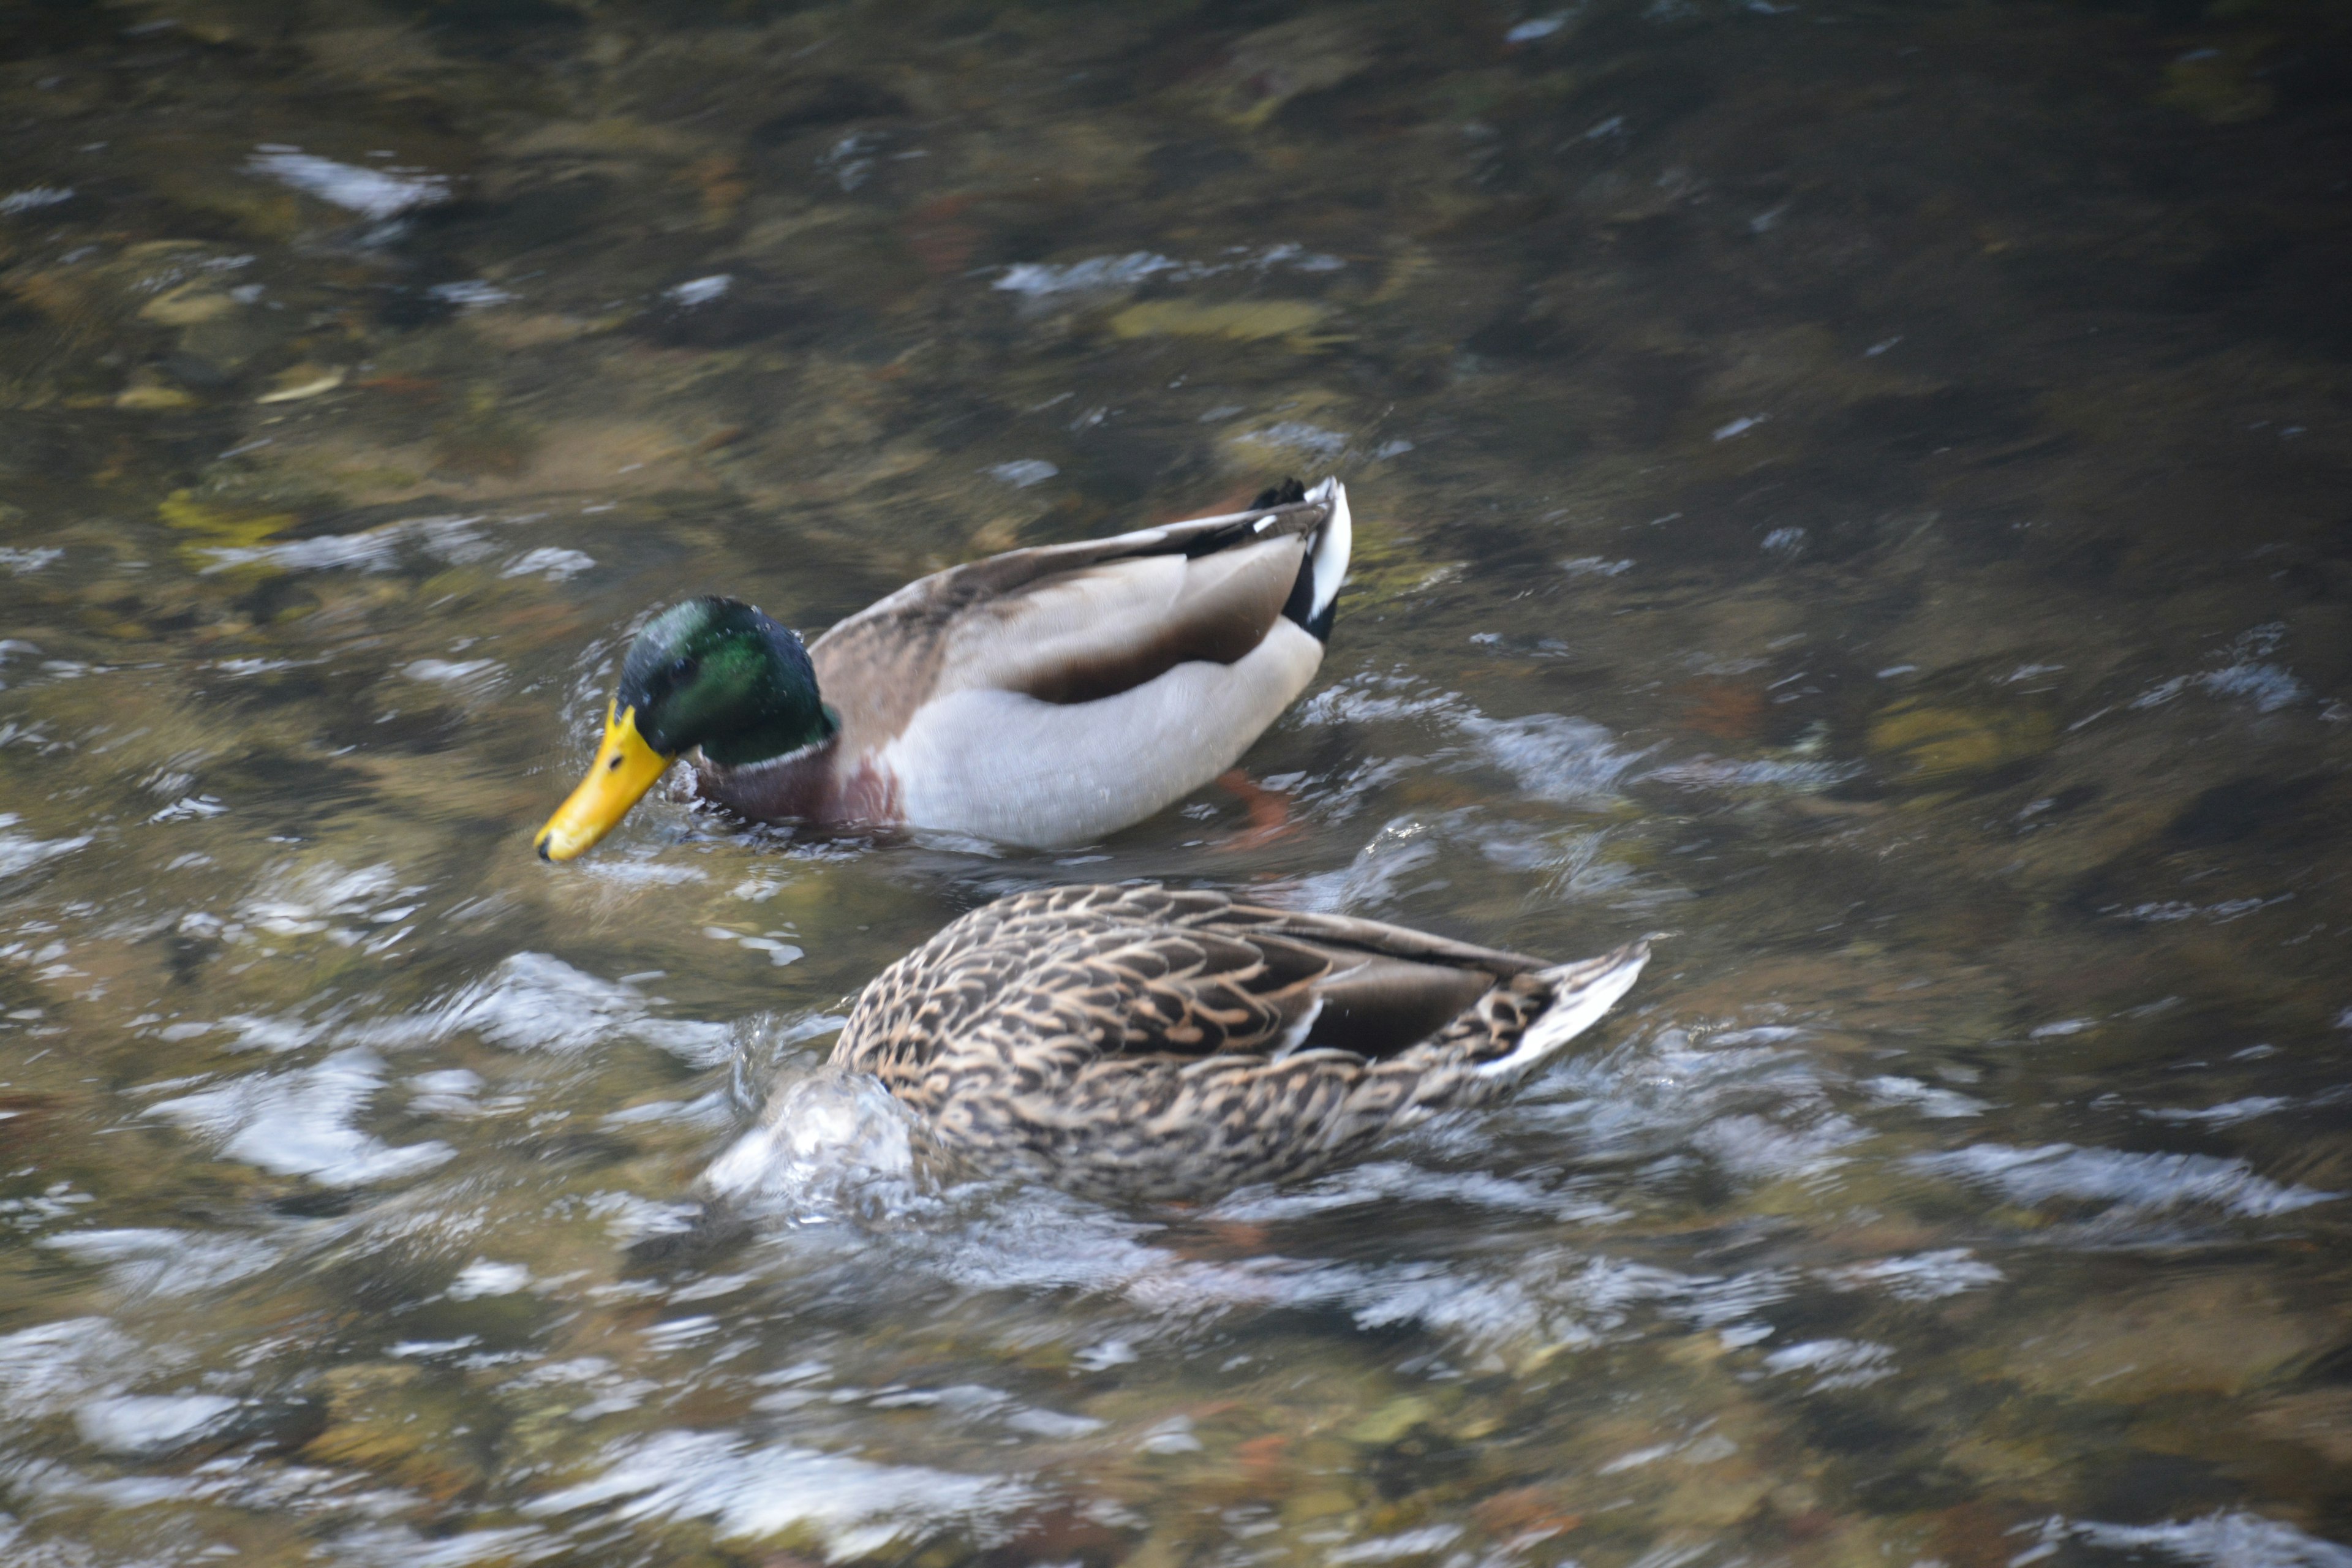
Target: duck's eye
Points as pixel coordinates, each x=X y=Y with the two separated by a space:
x=682 y=670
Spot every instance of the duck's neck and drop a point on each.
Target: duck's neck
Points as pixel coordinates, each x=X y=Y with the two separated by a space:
x=791 y=723
x=795 y=784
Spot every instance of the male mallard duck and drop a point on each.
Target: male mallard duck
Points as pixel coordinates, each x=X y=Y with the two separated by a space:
x=1147 y=1043
x=1037 y=697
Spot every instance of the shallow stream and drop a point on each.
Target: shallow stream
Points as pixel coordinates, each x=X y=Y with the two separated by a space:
x=1860 y=486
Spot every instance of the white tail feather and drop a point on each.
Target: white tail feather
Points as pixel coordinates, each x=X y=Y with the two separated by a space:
x=1333 y=544
x=1583 y=992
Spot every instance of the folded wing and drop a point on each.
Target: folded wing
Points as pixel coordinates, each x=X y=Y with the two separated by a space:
x=1073 y=623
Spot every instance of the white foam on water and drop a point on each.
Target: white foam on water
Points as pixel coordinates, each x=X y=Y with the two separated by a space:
x=1918 y=1276
x=1550 y=756
x=372 y=193
x=1557 y=1296
x=1296 y=435
x=1942 y=1104
x=142 y=1423
x=700 y=291
x=373 y=551
x=642 y=871
x=159 y=1262
x=1372 y=699
x=2266 y=686
x=1038 y=281
x=1038 y=1240
x=551 y=562
x=714 y=1112
x=2152 y=1181
x=1482 y=1311
x=1022 y=472
x=1298 y=257
x=300 y=1122
x=1837 y=1363
x=369 y=549
x=54 y=1366
x=2222 y=1115
x=1388 y=1182
x=1659 y=1095
x=749 y=1490
x=2223 y=1540
x=1635 y=1459
x=1173 y=1436
x=33 y=199
x=450 y=1083
x=1096 y=274
x=1421 y=1542
x=277 y=1036
x=244 y=666
x=232 y=1482
x=2248 y=677
x=535 y=1002
x=1021 y=1238
x=1606 y=1291
x=19 y=852
x=483 y=1277
x=1767 y=772
x=1709 y=1302
x=471 y=294
x=324 y=899
x=1758 y=1146
x=392 y=1546
x=630 y=1218
x=469 y=677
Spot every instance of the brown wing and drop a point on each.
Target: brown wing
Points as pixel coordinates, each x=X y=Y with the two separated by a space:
x=1095 y=969
x=1145 y=1042
x=1069 y=622
x=1378 y=989
x=1153 y=972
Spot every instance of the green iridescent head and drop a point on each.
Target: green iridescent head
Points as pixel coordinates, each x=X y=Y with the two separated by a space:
x=718 y=674
x=711 y=672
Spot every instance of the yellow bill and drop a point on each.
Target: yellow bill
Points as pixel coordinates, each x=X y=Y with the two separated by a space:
x=625 y=767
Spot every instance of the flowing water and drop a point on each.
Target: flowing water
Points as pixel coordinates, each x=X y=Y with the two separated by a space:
x=1860 y=486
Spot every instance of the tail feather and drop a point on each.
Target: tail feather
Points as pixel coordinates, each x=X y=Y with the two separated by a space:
x=1314 y=593
x=1333 y=545
x=1582 y=993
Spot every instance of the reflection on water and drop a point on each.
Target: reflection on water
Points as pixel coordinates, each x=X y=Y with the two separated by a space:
x=1860 y=486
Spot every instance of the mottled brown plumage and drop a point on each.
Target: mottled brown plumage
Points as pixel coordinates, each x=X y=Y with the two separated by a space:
x=1148 y=1042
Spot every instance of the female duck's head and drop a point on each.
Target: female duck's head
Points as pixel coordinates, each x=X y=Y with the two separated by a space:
x=711 y=672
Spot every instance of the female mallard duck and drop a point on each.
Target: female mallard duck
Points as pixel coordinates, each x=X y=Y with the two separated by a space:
x=1147 y=1043
x=1037 y=697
